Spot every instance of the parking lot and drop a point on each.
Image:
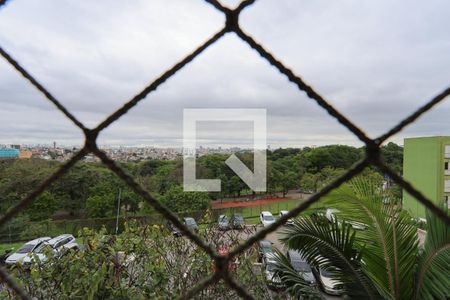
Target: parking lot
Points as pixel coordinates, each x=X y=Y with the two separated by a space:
x=274 y=237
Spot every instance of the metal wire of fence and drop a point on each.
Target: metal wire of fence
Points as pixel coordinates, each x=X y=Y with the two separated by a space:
x=25 y=231
x=372 y=147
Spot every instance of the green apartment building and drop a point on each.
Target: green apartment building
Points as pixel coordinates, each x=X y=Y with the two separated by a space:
x=426 y=164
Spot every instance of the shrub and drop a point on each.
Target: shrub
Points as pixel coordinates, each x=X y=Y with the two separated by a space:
x=144 y=262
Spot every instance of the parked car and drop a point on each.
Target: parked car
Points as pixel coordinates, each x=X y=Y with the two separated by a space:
x=330 y=215
x=190 y=224
x=265 y=248
x=289 y=221
x=57 y=244
x=300 y=265
x=237 y=221
x=266 y=218
x=172 y=228
x=270 y=267
x=223 y=223
x=25 y=250
x=329 y=284
x=319 y=217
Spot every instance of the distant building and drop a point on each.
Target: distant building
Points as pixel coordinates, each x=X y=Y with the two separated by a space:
x=24 y=154
x=9 y=153
x=426 y=165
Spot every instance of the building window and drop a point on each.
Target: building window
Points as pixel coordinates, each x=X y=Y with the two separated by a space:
x=447 y=151
x=447 y=186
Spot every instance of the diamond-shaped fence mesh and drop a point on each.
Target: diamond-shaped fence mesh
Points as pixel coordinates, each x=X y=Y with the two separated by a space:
x=372 y=147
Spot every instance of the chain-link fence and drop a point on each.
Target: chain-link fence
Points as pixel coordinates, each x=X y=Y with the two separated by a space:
x=372 y=147
x=19 y=230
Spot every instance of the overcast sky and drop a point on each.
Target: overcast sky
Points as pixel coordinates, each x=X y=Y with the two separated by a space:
x=376 y=61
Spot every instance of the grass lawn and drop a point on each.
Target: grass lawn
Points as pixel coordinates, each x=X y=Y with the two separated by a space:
x=14 y=246
x=252 y=220
x=251 y=214
x=274 y=208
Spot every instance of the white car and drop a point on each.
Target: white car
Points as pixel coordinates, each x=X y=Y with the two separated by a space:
x=25 y=250
x=57 y=244
x=289 y=221
x=270 y=266
x=266 y=218
x=330 y=215
x=330 y=285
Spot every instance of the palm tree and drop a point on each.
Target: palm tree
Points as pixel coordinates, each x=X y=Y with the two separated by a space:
x=383 y=261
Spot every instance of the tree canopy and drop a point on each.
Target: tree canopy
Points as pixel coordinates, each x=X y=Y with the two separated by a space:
x=88 y=184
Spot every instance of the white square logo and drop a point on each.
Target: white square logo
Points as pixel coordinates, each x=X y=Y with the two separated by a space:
x=255 y=180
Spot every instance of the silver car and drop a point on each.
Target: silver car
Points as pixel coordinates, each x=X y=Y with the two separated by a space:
x=270 y=267
x=223 y=223
x=56 y=244
x=25 y=251
x=266 y=218
x=301 y=266
x=330 y=285
x=289 y=221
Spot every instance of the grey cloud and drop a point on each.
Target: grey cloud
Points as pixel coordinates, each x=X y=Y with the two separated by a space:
x=375 y=61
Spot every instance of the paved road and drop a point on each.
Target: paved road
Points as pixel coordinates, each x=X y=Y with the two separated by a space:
x=274 y=237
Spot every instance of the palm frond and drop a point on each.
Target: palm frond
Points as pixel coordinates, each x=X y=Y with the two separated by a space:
x=390 y=240
x=433 y=272
x=295 y=285
x=331 y=244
